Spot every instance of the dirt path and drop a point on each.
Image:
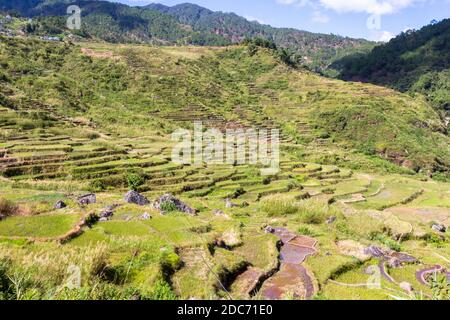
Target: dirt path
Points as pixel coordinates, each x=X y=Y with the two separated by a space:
x=421 y=275
x=292 y=279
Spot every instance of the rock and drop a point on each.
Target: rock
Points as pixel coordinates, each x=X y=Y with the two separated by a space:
x=394 y=263
x=407 y=287
x=218 y=213
x=169 y=199
x=104 y=219
x=229 y=239
x=60 y=205
x=408 y=164
x=136 y=198
x=331 y=220
x=375 y=252
x=245 y=204
x=353 y=249
x=108 y=212
x=404 y=258
x=269 y=229
x=229 y=204
x=146 y=216
x=87 y=199
x=439 y=228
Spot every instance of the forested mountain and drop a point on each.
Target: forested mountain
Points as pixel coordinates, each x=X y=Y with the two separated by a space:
x=416 y=61
x=188 y=24
x=312 y=49
x=114 y=22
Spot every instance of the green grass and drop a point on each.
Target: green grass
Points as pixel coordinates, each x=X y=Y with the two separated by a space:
x=38 y=226
x=103 y=120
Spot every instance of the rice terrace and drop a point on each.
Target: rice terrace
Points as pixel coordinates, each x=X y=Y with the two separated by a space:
x=93 y=205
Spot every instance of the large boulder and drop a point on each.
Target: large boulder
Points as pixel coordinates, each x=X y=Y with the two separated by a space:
x=375 y=252
x=87 y=199
x=107 y=212
x=136 y=198
x=229 y=204
x=353 y=249
x=439 y=228
x=406 y=286
x=394 y=263
x=60 y=205
x=169 y=201
x=331 y=220
x=229 y=239
x=146 y=216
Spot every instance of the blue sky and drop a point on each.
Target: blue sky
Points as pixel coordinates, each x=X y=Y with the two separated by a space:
x=371 y=19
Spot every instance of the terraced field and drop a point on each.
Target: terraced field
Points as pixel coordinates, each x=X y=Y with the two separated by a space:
x=314 y=230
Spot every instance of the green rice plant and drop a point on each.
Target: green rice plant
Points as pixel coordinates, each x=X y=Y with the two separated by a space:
x=306 y=231
x=278 y=205
x=313 y=211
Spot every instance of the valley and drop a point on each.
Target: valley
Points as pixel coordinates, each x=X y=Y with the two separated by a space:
x=359 y=210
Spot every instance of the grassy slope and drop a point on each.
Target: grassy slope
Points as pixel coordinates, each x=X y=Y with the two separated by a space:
x=183 y=24
x=416 y=61
x=77 y=121
x=139 y=80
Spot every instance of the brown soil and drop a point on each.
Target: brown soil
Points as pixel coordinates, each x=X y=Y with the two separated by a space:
x=292 y=279
x=424 y=215
x=96 y=54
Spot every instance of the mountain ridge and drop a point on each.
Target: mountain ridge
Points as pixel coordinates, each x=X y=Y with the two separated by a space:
x=416 y=61
x=192 y=24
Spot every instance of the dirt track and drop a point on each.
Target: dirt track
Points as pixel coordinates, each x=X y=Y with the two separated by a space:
x=292 y=279
x=421 y=275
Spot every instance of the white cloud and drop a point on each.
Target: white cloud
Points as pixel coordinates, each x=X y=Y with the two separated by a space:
x=319 y=17
x=380 y=7
x=298 y=3
x=287 y=1
x=251 y=18
x=369 y=6
x=382 y=36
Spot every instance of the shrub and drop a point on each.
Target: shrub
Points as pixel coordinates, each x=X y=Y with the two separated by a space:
x=134 y=181
x=171 y=262
x=97 y=185
x=168 y=206
x=434 y=239
x=387 y=241
x=278 y=205
x=27 y=125
x=162 y=291
x=201 y=229
x=312 y=211
x=239 y=192
x=7 y=208
x=304 y=230
x=4 y=280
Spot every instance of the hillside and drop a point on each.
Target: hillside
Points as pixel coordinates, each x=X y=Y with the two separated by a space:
x=415 y=61
x=323 y=109
x=188 y=24
x=314 y=50
x=97 y=117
